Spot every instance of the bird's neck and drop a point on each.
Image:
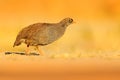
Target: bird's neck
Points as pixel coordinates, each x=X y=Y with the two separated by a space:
x=61 y=27
x=63 y=24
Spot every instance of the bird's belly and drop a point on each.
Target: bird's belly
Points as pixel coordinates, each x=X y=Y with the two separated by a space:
x=49 y=37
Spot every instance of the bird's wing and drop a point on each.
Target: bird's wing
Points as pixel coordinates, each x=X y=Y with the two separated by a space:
x=30 y=32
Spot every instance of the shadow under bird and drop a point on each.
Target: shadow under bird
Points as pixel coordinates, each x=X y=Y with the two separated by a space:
x=40 y=34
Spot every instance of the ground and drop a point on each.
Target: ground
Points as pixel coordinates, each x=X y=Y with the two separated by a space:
x=60 y=66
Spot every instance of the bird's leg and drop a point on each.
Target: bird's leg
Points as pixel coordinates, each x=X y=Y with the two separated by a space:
x=39 y=50
x=27 y=52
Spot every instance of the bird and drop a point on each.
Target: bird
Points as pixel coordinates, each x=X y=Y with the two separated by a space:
x=41 y=34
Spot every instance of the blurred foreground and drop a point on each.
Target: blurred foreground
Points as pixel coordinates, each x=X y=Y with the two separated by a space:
x=40 y=67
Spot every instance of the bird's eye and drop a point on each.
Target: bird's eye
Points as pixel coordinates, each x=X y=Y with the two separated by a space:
x=71 y=20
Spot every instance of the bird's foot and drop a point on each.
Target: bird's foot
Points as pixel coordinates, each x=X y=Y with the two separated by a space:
x=33 y=53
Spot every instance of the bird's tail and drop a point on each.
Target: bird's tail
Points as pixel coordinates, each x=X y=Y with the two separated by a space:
x=16 y=43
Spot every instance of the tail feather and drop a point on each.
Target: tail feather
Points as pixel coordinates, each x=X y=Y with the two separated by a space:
x=16 y=43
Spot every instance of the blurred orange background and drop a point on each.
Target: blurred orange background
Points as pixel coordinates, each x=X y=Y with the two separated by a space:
x=97 y=21
x=96 y=34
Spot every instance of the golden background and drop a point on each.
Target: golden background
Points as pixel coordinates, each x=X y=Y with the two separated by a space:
x=94 y=36
x=97 y=21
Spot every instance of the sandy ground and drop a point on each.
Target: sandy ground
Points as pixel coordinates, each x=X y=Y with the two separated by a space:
x=21 y=67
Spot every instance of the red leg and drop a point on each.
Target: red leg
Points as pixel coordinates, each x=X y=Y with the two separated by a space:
x=39 y=50
x=27 y=52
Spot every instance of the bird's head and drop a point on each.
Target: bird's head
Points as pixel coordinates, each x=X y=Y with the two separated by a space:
x=67 y=21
